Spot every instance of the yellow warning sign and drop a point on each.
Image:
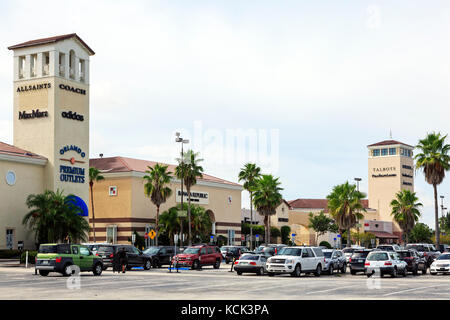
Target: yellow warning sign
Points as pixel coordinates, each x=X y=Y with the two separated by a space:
x=152 y=234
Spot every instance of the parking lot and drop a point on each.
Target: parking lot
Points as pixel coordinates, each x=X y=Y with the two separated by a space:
x=208 y=283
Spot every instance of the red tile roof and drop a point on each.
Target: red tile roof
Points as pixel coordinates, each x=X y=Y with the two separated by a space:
x=11 y=150
x=388 y=142
x=316 y=204
x=123 y=164
x=51 y=40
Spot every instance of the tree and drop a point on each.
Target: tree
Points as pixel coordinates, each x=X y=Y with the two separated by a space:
x=201 y=223
x=156 y=188
x=189 y=170
x=274 y=233
x=434 y=160
x=344 y=203
x=94 y=176
x=285 y=234
x=55 y=218
x=320 y=223
x=170 y=223
x=267 y=198
x=420 y=233
x=249 y=173
x=405 y=209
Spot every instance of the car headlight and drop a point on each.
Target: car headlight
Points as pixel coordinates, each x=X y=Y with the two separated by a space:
x=269 y=260
x=289 y=261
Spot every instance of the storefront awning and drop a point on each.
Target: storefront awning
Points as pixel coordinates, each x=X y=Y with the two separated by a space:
x=384 y=235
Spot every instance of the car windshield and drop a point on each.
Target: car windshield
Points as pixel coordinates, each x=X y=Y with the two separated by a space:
x=348 y=250
x=378 y=256
x=327 y=254
x=387 y=248
x=151 y=250
x=444 y=257
x=48 y=249
x=105 y=249
x=404 y=254
x=361 y=254
x=191 y=250
x=259 y=249
x=224 y=249
x=290 y=252
x=249 y=257
x=415 y=246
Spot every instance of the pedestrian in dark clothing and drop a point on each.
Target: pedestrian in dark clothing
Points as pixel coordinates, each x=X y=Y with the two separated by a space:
x=116 y=263
x=123 y=259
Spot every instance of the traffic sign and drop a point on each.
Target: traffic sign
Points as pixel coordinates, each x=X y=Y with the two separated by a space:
x=152 y=234
x=256 y=235
x=293 y=234
x=334 y=239
x=182 y=213
x=338 y=235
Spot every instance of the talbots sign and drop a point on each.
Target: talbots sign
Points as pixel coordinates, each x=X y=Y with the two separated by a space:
x=196 y=197
x=384 y=172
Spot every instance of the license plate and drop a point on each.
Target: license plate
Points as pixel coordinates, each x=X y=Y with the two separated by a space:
x=442 y=269
x=243 y=263
x=44 y=261
x=360 y=261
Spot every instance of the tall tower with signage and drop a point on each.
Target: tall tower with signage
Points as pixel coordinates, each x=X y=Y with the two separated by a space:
x=51 y=108
x=391 y=169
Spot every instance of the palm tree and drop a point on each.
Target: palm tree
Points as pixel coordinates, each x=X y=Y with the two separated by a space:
x=405 y=209
x=189 y=170
x=434 y=160
x=267 y=198
x=170 y=223
x=94 y=176
x=156 y=188
x=201 y=222
x=249 y=173
x=55 y=218
x=344 y=203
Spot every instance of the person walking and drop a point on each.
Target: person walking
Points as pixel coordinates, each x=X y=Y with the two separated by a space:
x=123 y=259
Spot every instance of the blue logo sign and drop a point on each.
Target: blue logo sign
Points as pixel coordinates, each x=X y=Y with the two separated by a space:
x=339 y=235
x=212 y=237
x=78 y=202
x=334 y=239
x=257 y=235
x=293 y=234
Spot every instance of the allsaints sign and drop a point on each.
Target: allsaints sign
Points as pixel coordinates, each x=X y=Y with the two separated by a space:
x=34 y=87
x=33 y=114
x=197 y=197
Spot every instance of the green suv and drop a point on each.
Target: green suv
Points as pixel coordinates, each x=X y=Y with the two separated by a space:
x=60 y=258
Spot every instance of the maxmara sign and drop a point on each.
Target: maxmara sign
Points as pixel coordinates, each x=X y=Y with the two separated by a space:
x=32 y=114
x=196 y=197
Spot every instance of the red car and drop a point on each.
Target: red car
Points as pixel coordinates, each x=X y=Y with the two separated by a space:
x=198 y=256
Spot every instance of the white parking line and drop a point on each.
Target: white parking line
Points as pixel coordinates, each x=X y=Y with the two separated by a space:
x=412 y=289
x=150 y=285
x=328 y=290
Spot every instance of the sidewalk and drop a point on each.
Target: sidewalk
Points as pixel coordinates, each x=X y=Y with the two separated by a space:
x=10 y=263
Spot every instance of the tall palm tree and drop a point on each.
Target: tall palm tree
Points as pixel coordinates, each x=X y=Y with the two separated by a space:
x=94 y=176
x=434 y=160
x=201 y=222
x=189 y=170
x=156 y=188
x=405 y=209
x=266 y=198
x=55 y=218
x=344 y=203
x=249 y=173
x=170 y=223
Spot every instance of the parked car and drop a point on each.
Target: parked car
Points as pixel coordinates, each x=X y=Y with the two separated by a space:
x=349 y=251
x=444 y=248
x=232 y=252
x=93 y=247
x=415 y=262
x=251 y=263
x=424 y=250
x=384 y=262
x=136 y=258
x=161 y=255
x=334 y=260
x=62 y=257
x=357 y=260
x=441 y=264
x=198 y=256
x=388 y=247
x=297 y=260
x=270 y=249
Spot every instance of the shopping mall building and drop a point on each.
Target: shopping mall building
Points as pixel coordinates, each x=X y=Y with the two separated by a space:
x=50 y=151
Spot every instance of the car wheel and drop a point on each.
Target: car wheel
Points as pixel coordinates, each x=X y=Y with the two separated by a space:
x=147 y=265
x=318 y=271
x=424 y=271
x=297 y=271
x=394 y=273
x=344 y=268
x=416 y=271
x=433 y=273
x=195 y=265
x=44 y=273
x=128 y=268
x=98 y=268
x=271 y=274
x=217 y=264
x=404 y=272
x=260 y=272
x=330 y=270
x=239 y=273
x=67 y=270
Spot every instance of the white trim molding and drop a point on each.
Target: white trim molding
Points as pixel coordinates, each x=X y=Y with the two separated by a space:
x=27 y=160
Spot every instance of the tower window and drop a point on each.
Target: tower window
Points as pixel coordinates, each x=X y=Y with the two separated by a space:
x=392 y=151
x=45 y=63
x=33 y=65
x=376 y=152
x=62 y=62
x=72 y=64
x=384 y=152
x=21 y=67
x=81 y=70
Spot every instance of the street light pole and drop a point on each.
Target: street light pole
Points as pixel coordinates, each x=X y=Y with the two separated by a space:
x=442 y=210
x=357 y=225
x=182 y=141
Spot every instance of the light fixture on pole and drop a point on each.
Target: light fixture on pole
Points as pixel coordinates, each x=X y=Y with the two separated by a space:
x=179 y=139
x=358 y=224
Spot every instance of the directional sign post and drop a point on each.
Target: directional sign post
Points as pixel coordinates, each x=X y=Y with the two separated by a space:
x=152 y=234
x=293 y=237
x=257 y=238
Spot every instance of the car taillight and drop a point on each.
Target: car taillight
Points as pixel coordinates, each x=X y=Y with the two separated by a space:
x=367 y=264
x=236 y=262
x=96 y=254
x=350 y=260
x=388 y=263
x=58 y=259
x=111 y=255
x=253 y=263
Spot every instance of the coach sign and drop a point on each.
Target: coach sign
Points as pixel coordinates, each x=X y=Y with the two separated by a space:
x=197 y=197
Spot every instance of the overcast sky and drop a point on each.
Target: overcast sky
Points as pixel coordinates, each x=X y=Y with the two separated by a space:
x=311 y=83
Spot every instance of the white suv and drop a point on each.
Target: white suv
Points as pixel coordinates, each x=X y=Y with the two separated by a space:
x=297 y=260
x=384 y=262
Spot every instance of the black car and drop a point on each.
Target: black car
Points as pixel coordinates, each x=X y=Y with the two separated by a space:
x=161 y=255
x=424 y=251
x=444 y=248
x=136 y=258
x=357 y=260
x=415 y=262
x=232 y=252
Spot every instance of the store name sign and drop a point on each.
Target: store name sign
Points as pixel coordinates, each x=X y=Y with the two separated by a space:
x=69 y=88
x=72 y=115
x=34 y=87
x=196 y=197
x=72 y=148
x=385 y=169
x=384 y=172
x=33 y=114
x=71 y=174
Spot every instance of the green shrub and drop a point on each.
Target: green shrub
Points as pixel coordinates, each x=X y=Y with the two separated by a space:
x=31 y=256
x=325 y=244
x=285 y=234
x=9 y=254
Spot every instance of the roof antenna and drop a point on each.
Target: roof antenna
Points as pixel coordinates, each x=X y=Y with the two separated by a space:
x=390 y=133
